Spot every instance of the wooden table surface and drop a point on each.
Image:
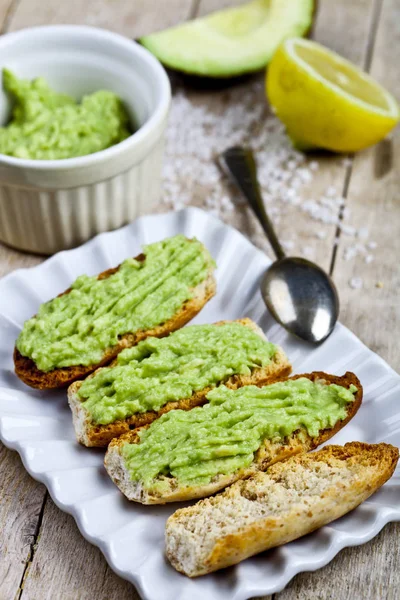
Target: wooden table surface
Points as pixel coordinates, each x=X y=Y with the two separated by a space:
x=42 y=554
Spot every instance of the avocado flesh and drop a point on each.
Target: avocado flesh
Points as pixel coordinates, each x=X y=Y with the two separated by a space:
x=233 y=41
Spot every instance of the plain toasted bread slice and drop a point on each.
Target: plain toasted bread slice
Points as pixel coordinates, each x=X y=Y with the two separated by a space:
x=26 y=369
x=91 y=434
x=292 y=499
x=269 y=453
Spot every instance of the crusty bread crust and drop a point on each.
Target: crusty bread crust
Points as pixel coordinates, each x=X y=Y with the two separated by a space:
x=268 y=454
x=26 y=369
x=354 y=471
x=91 y=434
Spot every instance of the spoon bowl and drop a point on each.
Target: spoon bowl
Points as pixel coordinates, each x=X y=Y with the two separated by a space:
x=301 y=297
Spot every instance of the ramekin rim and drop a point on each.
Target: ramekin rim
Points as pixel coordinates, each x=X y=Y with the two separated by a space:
x=134 y=140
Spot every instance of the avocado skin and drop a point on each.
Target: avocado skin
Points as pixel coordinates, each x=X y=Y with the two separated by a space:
x=203 y=76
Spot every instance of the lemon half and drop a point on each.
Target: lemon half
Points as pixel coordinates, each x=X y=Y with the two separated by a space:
x=325 y=101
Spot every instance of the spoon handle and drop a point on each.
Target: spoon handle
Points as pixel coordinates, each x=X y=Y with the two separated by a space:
x=240 y=165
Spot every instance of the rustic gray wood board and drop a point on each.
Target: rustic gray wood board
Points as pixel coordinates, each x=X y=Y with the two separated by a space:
x=43 y=556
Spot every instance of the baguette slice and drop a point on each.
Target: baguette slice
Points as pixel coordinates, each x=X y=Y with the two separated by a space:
x=26 y=369
x=91 y=434
x=269 y=453
x=292 y=499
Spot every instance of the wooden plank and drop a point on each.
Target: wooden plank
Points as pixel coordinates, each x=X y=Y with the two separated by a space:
x=11 y=259
x=207 y=6
x=373 y=312
x=21 y=500
x=21 y=497
x=339 y=25
x=40 y=545
x=370 y=571
x=367 y=572
x=132 y=19
x=67 y=567
x=239 y=114
x=6 y=12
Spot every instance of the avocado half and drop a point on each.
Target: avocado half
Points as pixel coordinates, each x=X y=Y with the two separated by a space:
x=233 y=41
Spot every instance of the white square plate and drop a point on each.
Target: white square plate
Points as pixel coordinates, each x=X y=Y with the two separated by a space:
x=38 y=424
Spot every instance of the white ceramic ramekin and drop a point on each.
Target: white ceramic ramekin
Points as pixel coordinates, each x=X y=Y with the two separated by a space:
x=49 y=205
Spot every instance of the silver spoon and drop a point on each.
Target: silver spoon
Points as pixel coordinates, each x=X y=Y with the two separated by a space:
x=298 y=293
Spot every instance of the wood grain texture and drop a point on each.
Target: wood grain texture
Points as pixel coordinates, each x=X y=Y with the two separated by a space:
x=207 y=6
x=130 y=18
x=6 y=12
x=62 y=565
x=370 y=571
x=66 y=567
x=11 y=259
x=373 y=312
x=21 y=499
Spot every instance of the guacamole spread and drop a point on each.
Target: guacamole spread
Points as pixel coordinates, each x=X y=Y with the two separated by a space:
x=48 y=125
x=222 y=436
x=157 y=371
x=76 y=328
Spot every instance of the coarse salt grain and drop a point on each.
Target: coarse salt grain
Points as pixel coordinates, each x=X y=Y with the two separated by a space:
x=363 y=233
x=350 y=253
x=288 y=244
x=356 y=283
x=307 y=251
x=355 y=250
x=197 y=134
x=291 y=165
x=305 y=175
x=347 y=229
x=331 y=191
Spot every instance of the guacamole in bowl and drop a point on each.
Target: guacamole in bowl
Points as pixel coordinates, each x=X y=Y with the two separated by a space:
x=73 y=164
x=47 y=125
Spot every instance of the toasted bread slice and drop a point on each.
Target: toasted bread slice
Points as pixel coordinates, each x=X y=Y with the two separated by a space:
x=269 y=453
x=292 y=499
x=91 y=434
x=26 y=369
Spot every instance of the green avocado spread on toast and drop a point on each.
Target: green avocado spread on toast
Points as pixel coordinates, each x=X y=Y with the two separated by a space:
x=77 y=328
x=223 y=436
x=157 y=371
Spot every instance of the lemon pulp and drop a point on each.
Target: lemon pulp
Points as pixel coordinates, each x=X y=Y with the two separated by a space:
x=326 y=101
